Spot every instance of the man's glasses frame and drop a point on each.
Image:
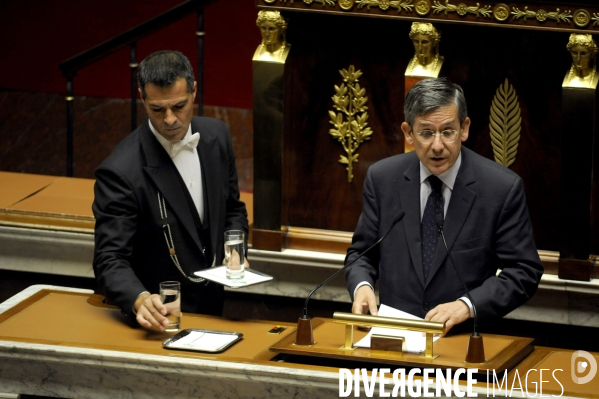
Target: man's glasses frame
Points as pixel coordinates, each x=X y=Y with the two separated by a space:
x=427 y=136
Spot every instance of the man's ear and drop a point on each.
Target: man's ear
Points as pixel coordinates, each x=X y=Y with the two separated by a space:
x=141 y=95
x=195 y=89
x=465 y=129
x=407 y=131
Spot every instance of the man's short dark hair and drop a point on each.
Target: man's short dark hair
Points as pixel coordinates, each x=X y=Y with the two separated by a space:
x=163 y=68
x=431 y=94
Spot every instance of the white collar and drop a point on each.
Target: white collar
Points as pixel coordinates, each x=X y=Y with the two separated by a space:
x=448 y=177
x=167 y=145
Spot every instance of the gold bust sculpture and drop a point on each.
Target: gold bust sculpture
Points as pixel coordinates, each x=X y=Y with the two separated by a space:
x=273 y=48
x=582 y=73
x=426 y=61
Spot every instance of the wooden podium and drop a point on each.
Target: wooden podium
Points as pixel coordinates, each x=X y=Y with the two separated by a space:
x=502 y=352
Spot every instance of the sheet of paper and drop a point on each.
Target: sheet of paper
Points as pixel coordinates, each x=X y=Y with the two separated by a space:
x=415 y=341
x=218 y=275
x=203 y=341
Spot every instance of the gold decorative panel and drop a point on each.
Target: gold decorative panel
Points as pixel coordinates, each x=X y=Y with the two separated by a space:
x=351 y=122
x=505 y=124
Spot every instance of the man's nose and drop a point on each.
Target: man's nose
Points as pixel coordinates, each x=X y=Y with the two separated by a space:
x=437 y=144
x=169 y=117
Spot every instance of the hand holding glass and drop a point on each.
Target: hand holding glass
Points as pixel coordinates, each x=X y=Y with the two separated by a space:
x=170 y=296
x=235 y=254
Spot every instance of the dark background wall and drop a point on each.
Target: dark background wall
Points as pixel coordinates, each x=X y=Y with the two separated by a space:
x=36 y=36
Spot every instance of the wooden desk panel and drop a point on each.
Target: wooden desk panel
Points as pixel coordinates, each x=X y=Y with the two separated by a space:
x=17 y=186
x=81 y=320
x=71 y=345
x=553 y=359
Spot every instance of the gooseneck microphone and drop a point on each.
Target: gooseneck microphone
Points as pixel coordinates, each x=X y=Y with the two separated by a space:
x=304 y=326
x=476 y=350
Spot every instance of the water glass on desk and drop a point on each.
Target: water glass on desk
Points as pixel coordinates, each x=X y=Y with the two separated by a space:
x=170 y=295
x=235 y=254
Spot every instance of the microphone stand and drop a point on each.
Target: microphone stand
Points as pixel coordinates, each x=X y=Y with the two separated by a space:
x=476 y=349
x=304 y=334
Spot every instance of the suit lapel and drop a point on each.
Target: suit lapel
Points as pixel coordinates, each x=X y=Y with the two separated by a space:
x=163 y=172
x=409 y=194
x=210 y=159
x=462 y=198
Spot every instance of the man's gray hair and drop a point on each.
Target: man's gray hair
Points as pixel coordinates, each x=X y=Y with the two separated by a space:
x=431 y=94
x=163 y=68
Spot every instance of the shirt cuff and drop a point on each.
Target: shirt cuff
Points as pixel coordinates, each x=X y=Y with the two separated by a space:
x=133 y=307
x=469 y=304
x=361 y=284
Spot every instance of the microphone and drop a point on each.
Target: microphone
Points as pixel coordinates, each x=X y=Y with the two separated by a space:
x=304 y=334
x=476 y=350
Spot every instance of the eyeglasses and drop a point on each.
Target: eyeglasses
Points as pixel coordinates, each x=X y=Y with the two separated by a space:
x=447 y=136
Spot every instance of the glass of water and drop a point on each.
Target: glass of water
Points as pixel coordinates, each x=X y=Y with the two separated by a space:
x=235 y=254
x=170 y=296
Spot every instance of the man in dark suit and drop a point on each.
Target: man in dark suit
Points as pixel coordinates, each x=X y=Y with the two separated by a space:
x=163 y=199
x=486 y=222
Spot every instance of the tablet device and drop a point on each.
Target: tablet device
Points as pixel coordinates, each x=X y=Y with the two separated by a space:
x=193 y=339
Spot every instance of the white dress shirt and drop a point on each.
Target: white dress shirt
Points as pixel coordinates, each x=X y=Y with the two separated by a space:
x=188 y=164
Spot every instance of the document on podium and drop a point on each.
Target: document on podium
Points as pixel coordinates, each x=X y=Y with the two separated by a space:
x=415 y=340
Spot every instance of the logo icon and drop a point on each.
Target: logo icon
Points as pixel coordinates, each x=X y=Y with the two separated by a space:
x=579 y=367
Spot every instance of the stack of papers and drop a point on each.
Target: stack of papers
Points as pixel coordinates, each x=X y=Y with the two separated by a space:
x=415 y=340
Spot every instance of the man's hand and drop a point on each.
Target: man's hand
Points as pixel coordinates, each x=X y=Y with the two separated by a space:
x=151 y=312
x=450 y=313
x=364 y=301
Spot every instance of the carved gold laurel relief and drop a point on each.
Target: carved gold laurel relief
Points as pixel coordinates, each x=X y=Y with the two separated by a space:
x=462 y=9
x=542 y=15
x=505 y=124
x=351 y=122
x=386 y=4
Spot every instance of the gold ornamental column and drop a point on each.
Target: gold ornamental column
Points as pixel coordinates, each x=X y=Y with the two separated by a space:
x=268 y=77
x=580 y=169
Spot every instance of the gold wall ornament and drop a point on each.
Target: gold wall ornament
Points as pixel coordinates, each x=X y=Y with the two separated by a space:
x=583 y=72
x=384 y=5
x=422 y=7
x=595 y=18
x=308 y=2
x=274 y=47
x=505 y=124
x=581 y=18
x=351 y=122
x=501 y=12
x=542 y=15
x=346 y=4
x=462 y=9
x=323 y=2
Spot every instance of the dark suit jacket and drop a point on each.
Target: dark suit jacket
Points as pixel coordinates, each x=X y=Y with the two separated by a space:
x=131 y=254
x=487 y=227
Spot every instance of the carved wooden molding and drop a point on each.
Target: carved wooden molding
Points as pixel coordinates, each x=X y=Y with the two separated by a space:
x=520 y=15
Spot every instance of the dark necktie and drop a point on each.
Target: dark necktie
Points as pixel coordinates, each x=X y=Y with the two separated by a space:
x=429 y=229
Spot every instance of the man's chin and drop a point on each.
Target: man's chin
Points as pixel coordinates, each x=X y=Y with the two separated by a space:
x=437 y=166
